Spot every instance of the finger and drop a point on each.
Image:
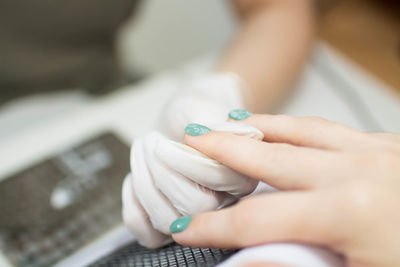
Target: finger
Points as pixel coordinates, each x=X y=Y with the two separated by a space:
x=240 y=129
x=388 y=137
x=191 y=108
x=160 y=211
x=280 y=165
x=262 y=264
x=137 y=221
x=188 y=197
x=309 y=132
x=203 y=170
x=279 y=217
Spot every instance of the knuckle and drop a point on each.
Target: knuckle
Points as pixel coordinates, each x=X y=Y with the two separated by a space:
x=363 y=194
x=360 y=193
x=316 y=124
x=363 y=159
x=298 y=125
x=284 y=121
x=361 y=199
x=387 y=161
x=378 y=161
x=320 y=125
x=289 y=122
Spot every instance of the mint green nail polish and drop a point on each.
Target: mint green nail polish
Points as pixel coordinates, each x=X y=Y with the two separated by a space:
x=196 y=129
x=239 y=114
x=180 y=224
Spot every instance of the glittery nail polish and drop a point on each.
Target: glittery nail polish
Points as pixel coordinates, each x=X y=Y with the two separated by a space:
x=194 y=129
x=180 y=224
x=239 y=114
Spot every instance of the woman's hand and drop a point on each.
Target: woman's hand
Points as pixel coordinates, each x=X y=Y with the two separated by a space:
x=341 y=189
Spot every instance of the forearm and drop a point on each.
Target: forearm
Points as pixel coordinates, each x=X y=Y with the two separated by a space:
x=272 y=44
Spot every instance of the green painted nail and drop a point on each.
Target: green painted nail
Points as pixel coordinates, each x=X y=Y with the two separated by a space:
x=239 y=114
x=180 y=224
x=196 y=129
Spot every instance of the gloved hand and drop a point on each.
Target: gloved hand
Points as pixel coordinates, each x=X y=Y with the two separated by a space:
x=170 y=179
x=205 y=100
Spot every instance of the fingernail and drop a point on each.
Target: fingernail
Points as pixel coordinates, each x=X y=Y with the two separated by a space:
x=180 y=224
x=196 y=129
x=239 y=114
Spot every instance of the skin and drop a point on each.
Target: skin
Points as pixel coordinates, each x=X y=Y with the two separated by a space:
x=340 y=188
x=262 y=264
x=274 y=38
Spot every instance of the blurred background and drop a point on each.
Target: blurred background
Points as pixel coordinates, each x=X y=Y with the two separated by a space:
x=59 y=150
x=189 y=29
x=366 y=31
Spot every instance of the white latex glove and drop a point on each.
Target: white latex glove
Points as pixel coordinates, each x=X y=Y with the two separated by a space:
x=206 y=100
x=170 y=179
x=166 y=183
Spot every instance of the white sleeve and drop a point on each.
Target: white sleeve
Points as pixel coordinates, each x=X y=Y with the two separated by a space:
x=287 y=254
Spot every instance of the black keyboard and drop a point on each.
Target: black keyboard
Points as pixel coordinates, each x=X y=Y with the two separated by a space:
x=55 y=207
x=173 y=255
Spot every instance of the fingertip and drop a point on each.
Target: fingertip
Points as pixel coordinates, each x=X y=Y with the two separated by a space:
x=180 y=224
x=181 y=239
x=239 y=114
x=190 y=140
x=191 y=231
x=193 y=132
x=195 y=129
x=183 y=235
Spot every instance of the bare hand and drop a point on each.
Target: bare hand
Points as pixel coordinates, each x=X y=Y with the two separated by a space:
x=340 y=189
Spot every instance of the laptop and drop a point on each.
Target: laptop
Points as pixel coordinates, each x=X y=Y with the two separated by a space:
x=61 y=173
